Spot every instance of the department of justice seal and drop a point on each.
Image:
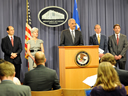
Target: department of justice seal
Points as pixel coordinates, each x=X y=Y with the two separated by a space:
x=82 y=59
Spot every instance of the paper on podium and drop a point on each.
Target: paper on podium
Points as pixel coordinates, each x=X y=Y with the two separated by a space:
x=90 y=80
x=101 y=51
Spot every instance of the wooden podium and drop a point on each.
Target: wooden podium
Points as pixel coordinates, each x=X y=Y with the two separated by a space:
x=72 y=75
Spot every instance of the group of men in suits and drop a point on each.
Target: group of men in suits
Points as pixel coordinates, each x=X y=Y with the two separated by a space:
x=117 y=43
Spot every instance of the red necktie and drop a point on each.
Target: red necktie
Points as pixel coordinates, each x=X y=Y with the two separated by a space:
x=12 y=40
x=117 y=40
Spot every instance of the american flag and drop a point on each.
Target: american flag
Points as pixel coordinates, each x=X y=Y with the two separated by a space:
x=28 y=28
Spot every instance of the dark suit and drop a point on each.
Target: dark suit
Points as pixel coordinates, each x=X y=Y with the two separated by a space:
x=7 y=48
x=103 y=42
x=123 y=76
x=66 y=38
x=119 y=49
x=8 y=88
x=42 y=79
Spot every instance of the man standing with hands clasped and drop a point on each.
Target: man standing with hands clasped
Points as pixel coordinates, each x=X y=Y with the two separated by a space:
x=118 y=45
x=12 y=47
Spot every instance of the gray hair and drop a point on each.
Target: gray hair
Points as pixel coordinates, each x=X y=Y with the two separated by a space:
x=34 y=29
x=69 y=21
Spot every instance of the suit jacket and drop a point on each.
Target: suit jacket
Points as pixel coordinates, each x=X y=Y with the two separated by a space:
x=119 y=49
x=42 y=79
x=103 y=42
x=66 y=38
x=123 y=76
x=8 y=88
x=7 y=48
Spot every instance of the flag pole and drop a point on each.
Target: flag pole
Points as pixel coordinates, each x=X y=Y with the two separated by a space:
x=27 y=11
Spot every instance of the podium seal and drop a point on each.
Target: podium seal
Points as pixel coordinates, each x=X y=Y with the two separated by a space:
x=82 y=59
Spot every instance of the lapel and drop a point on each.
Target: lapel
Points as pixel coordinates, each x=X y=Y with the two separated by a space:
x=14 y=41
x=69 y=35
x=114 y=38
x=95 y=40
x=76 y=34
x=120 y=38
x=101 y=38
x=9 y=41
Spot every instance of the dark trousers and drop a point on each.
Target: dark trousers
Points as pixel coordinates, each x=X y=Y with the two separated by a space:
x=121 y=64
x=17 y=69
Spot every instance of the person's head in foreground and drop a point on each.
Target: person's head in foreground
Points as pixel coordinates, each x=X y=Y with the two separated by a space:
x=108 y=57
x=7 y=71
x=107 y=77
x=40 y=58
x=107 y=83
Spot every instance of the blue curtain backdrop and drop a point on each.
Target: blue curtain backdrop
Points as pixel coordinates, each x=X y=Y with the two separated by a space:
x=91 y=12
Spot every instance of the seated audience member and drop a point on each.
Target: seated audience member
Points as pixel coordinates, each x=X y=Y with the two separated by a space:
x=15 y=79
x=7 y=87
x=123 y=74
x=41 y=78
x=107 y=83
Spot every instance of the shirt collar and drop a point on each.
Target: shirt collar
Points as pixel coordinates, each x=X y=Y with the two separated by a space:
x=11 y=36
x=116 y=35
x=72 y=30
x=97 y=35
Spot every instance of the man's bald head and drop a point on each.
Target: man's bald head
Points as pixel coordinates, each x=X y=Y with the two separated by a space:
x=39 y=58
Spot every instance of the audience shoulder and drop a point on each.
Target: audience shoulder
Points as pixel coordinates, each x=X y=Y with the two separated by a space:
x=51 y=70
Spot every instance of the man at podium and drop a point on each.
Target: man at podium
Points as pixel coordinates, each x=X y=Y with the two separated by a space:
x=71 y=37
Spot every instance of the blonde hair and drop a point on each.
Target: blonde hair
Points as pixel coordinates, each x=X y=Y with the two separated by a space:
x=108 y=58
x=7 y=69
x=107 y=76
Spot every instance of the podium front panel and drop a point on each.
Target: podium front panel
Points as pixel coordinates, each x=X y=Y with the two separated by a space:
x=71 y=74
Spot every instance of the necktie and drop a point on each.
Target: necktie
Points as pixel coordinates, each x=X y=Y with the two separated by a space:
x=117 y=40
x=12 y=40
x=98 y=39
x=72 y=37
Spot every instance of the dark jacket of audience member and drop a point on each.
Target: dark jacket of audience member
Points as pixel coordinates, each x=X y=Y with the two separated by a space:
x=41 y=78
